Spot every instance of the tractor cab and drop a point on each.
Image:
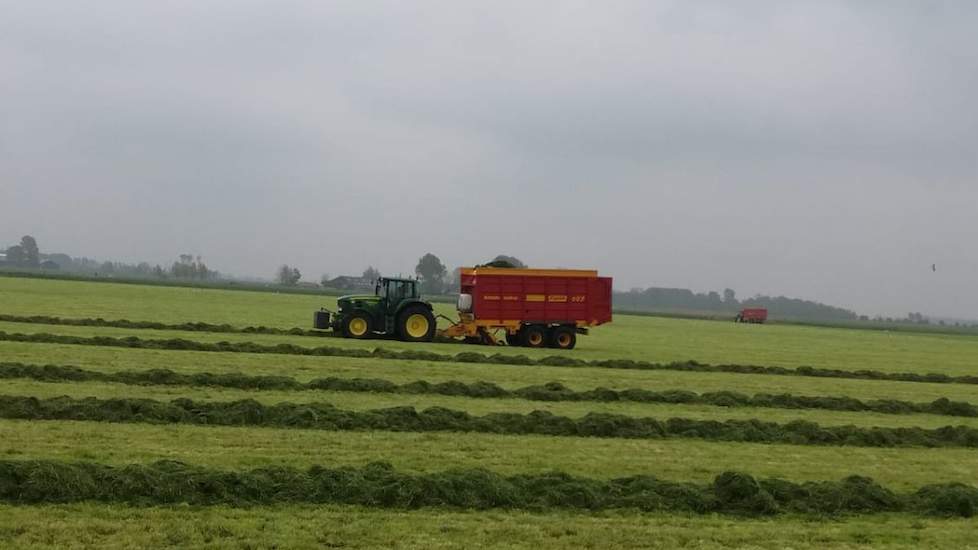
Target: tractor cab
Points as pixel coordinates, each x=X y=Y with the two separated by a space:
x=396 y=290
x=393 y=292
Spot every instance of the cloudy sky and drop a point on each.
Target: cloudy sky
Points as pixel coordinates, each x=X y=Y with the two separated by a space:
x=823 y=150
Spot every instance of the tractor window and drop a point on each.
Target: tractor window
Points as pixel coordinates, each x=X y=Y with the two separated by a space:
x=397 y=290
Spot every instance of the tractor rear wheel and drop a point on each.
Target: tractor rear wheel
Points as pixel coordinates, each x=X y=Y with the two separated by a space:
x=416 y=324
x=533 y=336
x=357 y=325
x=563 y=338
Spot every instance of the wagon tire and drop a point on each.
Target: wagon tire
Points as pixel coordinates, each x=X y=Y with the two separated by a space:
x=534 y=336
x=563 y=338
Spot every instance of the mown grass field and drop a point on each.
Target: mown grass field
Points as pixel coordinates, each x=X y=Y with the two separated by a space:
x=632 y=337
x=900 y=468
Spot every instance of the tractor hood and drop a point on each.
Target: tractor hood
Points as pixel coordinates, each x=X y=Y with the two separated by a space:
x=349 y=300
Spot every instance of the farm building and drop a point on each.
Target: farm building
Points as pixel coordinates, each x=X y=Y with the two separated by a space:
x=346 y=282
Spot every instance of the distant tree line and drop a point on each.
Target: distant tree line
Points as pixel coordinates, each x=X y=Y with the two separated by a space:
x=430 y=272
x=27 y=255
x=435 y=279
x=681 y=299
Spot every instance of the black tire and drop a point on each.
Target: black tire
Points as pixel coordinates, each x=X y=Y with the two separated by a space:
x=563 y=338
x=416 y=324
x=357 y=325
x=534 y=336
x=513 y=339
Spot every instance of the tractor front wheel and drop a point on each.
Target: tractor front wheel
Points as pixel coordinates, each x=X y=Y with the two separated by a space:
x=357 y=325
x=416 y=324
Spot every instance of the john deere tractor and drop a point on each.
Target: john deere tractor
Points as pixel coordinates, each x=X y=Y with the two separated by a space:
x=395 y=309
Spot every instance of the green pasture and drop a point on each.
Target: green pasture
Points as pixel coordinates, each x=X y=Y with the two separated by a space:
x=674 y=459
x=117 y=527
x=628 y=337
x=304 y=368
x=482 y=406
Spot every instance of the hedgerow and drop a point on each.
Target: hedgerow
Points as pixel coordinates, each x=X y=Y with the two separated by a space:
x=474 y=357
x=378 y=484
x=324 y=416
x=551 y=391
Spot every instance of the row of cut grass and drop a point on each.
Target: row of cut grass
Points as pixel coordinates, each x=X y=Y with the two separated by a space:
x=297 y=345
x=305 y=368
x=549 y=392
x=249 y=447
x=324 y=416
x=370 y=401
x=380 y=485
x=117 y=527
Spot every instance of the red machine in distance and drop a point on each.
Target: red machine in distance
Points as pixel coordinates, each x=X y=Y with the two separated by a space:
x=535 y=307
x=752 y=315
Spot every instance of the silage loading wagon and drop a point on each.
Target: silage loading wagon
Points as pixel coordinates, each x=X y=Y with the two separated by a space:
x=519 y=306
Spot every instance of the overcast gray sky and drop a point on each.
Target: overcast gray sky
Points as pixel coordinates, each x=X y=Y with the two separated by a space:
x=822 y=150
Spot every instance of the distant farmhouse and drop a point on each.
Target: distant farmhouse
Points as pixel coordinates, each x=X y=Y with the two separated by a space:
x=346 y=282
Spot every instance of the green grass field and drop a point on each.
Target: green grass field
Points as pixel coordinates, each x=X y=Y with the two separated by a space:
x=510 y=376
x=116 y=525
x=357 y=527
x=686 y=459
x=367 y=401
x=630 y=337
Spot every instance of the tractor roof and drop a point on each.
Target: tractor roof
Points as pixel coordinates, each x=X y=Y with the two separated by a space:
x=400 y=279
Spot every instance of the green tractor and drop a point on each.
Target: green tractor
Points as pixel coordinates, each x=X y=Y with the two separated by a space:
x=394 y=309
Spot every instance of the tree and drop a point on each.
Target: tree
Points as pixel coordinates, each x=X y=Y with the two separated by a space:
x=288 y=275
x=191 y=268
x=324 y=280
x=32 y=256
x=15 y=254
x=371 y=274
x=432 y=274
x=729 y=297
